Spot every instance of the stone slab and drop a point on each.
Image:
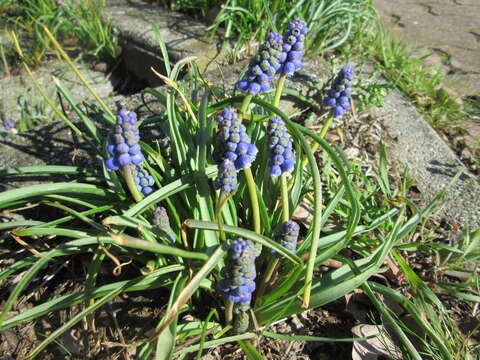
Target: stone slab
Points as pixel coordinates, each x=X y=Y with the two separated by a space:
x=182 y=35
x=451 y=27
x=21 y=98
x=51 y=144
x=431 y=163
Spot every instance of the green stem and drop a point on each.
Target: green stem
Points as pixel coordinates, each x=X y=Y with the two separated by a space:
x=266 y=278
x=90 y=282
x=253 y=199
x=218 y=214
x=228 y=312
x=272 y=265
x=248 y=174
x=246 y=101
x=284 y=190
x=279 y=89
x=127 y=173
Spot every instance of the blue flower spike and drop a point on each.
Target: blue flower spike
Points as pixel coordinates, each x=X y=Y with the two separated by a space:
x=236 y=145
x=227 y=177
x=282 y=158
x=124 y=142
x=263 y=66
x=293 y=46
x=161 y=224
x=338 y=97
x=143 y=180
x=288 y=235
x=8 y=123
x=239 y=274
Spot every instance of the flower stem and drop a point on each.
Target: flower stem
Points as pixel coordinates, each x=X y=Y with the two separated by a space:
x=218 y=214
x=279 y=89
x=272 y=265
x=284 y=190
x=228 y=312
x=246 y=101
x=253 y=199
x=127 y=173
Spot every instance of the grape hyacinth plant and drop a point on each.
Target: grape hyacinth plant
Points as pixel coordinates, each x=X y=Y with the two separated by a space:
x=235 y=145
x=161 y=223
x=282 y=158
x=123 y=142
x=143 y=180
x=293 y=46
x=263 y=67
x=8 y=123
x=210 y=234
x=338 y=96
x=239 y=273
x=227 y=177
x=288 y=236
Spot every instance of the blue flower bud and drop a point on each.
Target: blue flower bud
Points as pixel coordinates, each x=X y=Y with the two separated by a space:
x=143 y=180
x=293 y=46
x=239 y=274
x=339 y=94
x=237 y=146
x=227 y=177
x=8 y=123
x=263 y=66
x=288 y=235
x=281 y=154
x=123 y=143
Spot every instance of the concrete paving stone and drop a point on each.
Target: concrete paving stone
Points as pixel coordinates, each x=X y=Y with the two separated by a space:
x=463 y=84
x=432 y=164
x=447 y=26
x=20 y=95
x=182 y=35
x=51 y=144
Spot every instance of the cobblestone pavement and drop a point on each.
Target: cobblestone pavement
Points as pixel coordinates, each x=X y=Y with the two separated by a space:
x=448 y=30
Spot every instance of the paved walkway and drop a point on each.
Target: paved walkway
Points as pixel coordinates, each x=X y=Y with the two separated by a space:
x=449 y=30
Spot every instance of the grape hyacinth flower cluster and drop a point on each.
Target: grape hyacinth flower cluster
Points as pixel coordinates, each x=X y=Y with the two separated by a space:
x=293 y=46
x=235 y=143
x=123 y=143
x=143 y=180
x=339 y=94
x=8 y=123
x=264 y=66
x=282 y=158
x=288 y=235
x=227 y=177
x=162 y=223
x=239 y=274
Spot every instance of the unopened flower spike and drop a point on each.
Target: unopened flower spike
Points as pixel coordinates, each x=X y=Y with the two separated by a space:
x=8 y=123
x=123 y=142
x=264 y=66
x=288 y=235
x=338 y=97
x=293 y=46
x=282 y=158
x=162 y=224
x=235 y=144
x=239 y=274
x=227 y=177
x=143 y=180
